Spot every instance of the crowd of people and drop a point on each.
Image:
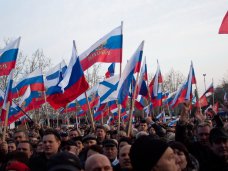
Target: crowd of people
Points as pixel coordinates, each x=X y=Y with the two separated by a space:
x=194 y=144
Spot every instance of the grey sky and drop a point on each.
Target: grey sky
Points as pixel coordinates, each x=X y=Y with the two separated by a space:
x=175 y=31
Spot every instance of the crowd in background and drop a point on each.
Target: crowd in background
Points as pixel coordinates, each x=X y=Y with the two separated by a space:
x=195 y=143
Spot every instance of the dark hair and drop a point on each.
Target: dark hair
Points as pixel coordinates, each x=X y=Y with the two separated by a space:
x=25 y=141
x=179 y=146
x=52 y=132
x=18 y=156
x=125 y=139
x=100 y=127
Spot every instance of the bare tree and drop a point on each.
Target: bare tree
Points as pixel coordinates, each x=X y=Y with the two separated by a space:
x=93 y=75
x=172 y=80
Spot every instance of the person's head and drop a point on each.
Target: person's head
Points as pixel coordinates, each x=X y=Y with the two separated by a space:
x=25 y=147
x=143 y=125
x=64 y=161
x=20 y=136
x=149 y=154
x=70 y=147
x=11 y=146
x=74 y=133
x=39 y=147
x=64 y=136
x=98 y=162
x=16 y=165
x=124 y=159
x=202 y=133
x=78 y=142
x=89 y=140
x=219 y=142
x=51 y=142
x=182 y=153
x=110 y=149
x=100 y=133
x=94 y=149
x=124 y=141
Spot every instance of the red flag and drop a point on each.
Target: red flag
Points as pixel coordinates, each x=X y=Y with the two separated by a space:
x=224 y=26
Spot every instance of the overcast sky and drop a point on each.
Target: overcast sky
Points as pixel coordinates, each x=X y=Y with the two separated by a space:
x=175 y=31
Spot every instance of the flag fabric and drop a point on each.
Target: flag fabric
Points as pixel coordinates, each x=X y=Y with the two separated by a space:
x=203 y=99
x=54 y=76
x=132 y=66
x=185 y=91
x=81 y=113
x=156 y=88
x=122 y=113
x=107 y=88
x=173 y=122
x=111 y=71
x=7 y=95
x=93 y=98
x=215 y=107
x=147 y=109
x=161 y=117
x=73 y=84
x=2 y=94
x=8 y=57
x=108 y=49
x=71 y=107
x=140 y=102
x=224 y=26
x=142 y=87
x=34 y=80
x=101 y=112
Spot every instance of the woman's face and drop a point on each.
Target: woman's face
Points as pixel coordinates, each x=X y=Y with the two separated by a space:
x=182 y=159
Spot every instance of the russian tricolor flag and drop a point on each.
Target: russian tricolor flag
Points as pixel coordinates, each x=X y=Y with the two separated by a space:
x=224 y=26
x=73 y=84
x=156 y=88
x=1 y=98
x=7 y=96
x=108 y=49
x=111 y=71
x=142 y=87
x=127 y=75
x=54 y=76
x=34 y=80
x=8 y=57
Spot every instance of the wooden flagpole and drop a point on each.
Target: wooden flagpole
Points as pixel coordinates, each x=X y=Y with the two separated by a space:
x=119 y=110
x=132 y=107
x=6 y=121
x=90 y=112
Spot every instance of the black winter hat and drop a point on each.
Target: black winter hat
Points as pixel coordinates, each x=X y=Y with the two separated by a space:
x=64 y=161
x=217 y=134
x=145 y=153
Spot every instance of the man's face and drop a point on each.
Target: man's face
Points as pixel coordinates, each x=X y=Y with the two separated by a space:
x=73 y=134
x=19 y=136
x=11 y=147
x=25 y=148
x=79 y=145
x=220 y=147
x=143 y=127
x=100 y=133
x=110 y=152
x=89 y=143
x=167 y=162
x=124 y=159
x=203 y=134
x=98 y=162
x=50 y=144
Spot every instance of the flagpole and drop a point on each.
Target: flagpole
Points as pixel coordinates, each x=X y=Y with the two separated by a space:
x=90 y=112
x=132 y=107
x=45 y=98
x=119 y=117
x=122 y=48
x=76 y=114
x=6 y=121
x=213 y=93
